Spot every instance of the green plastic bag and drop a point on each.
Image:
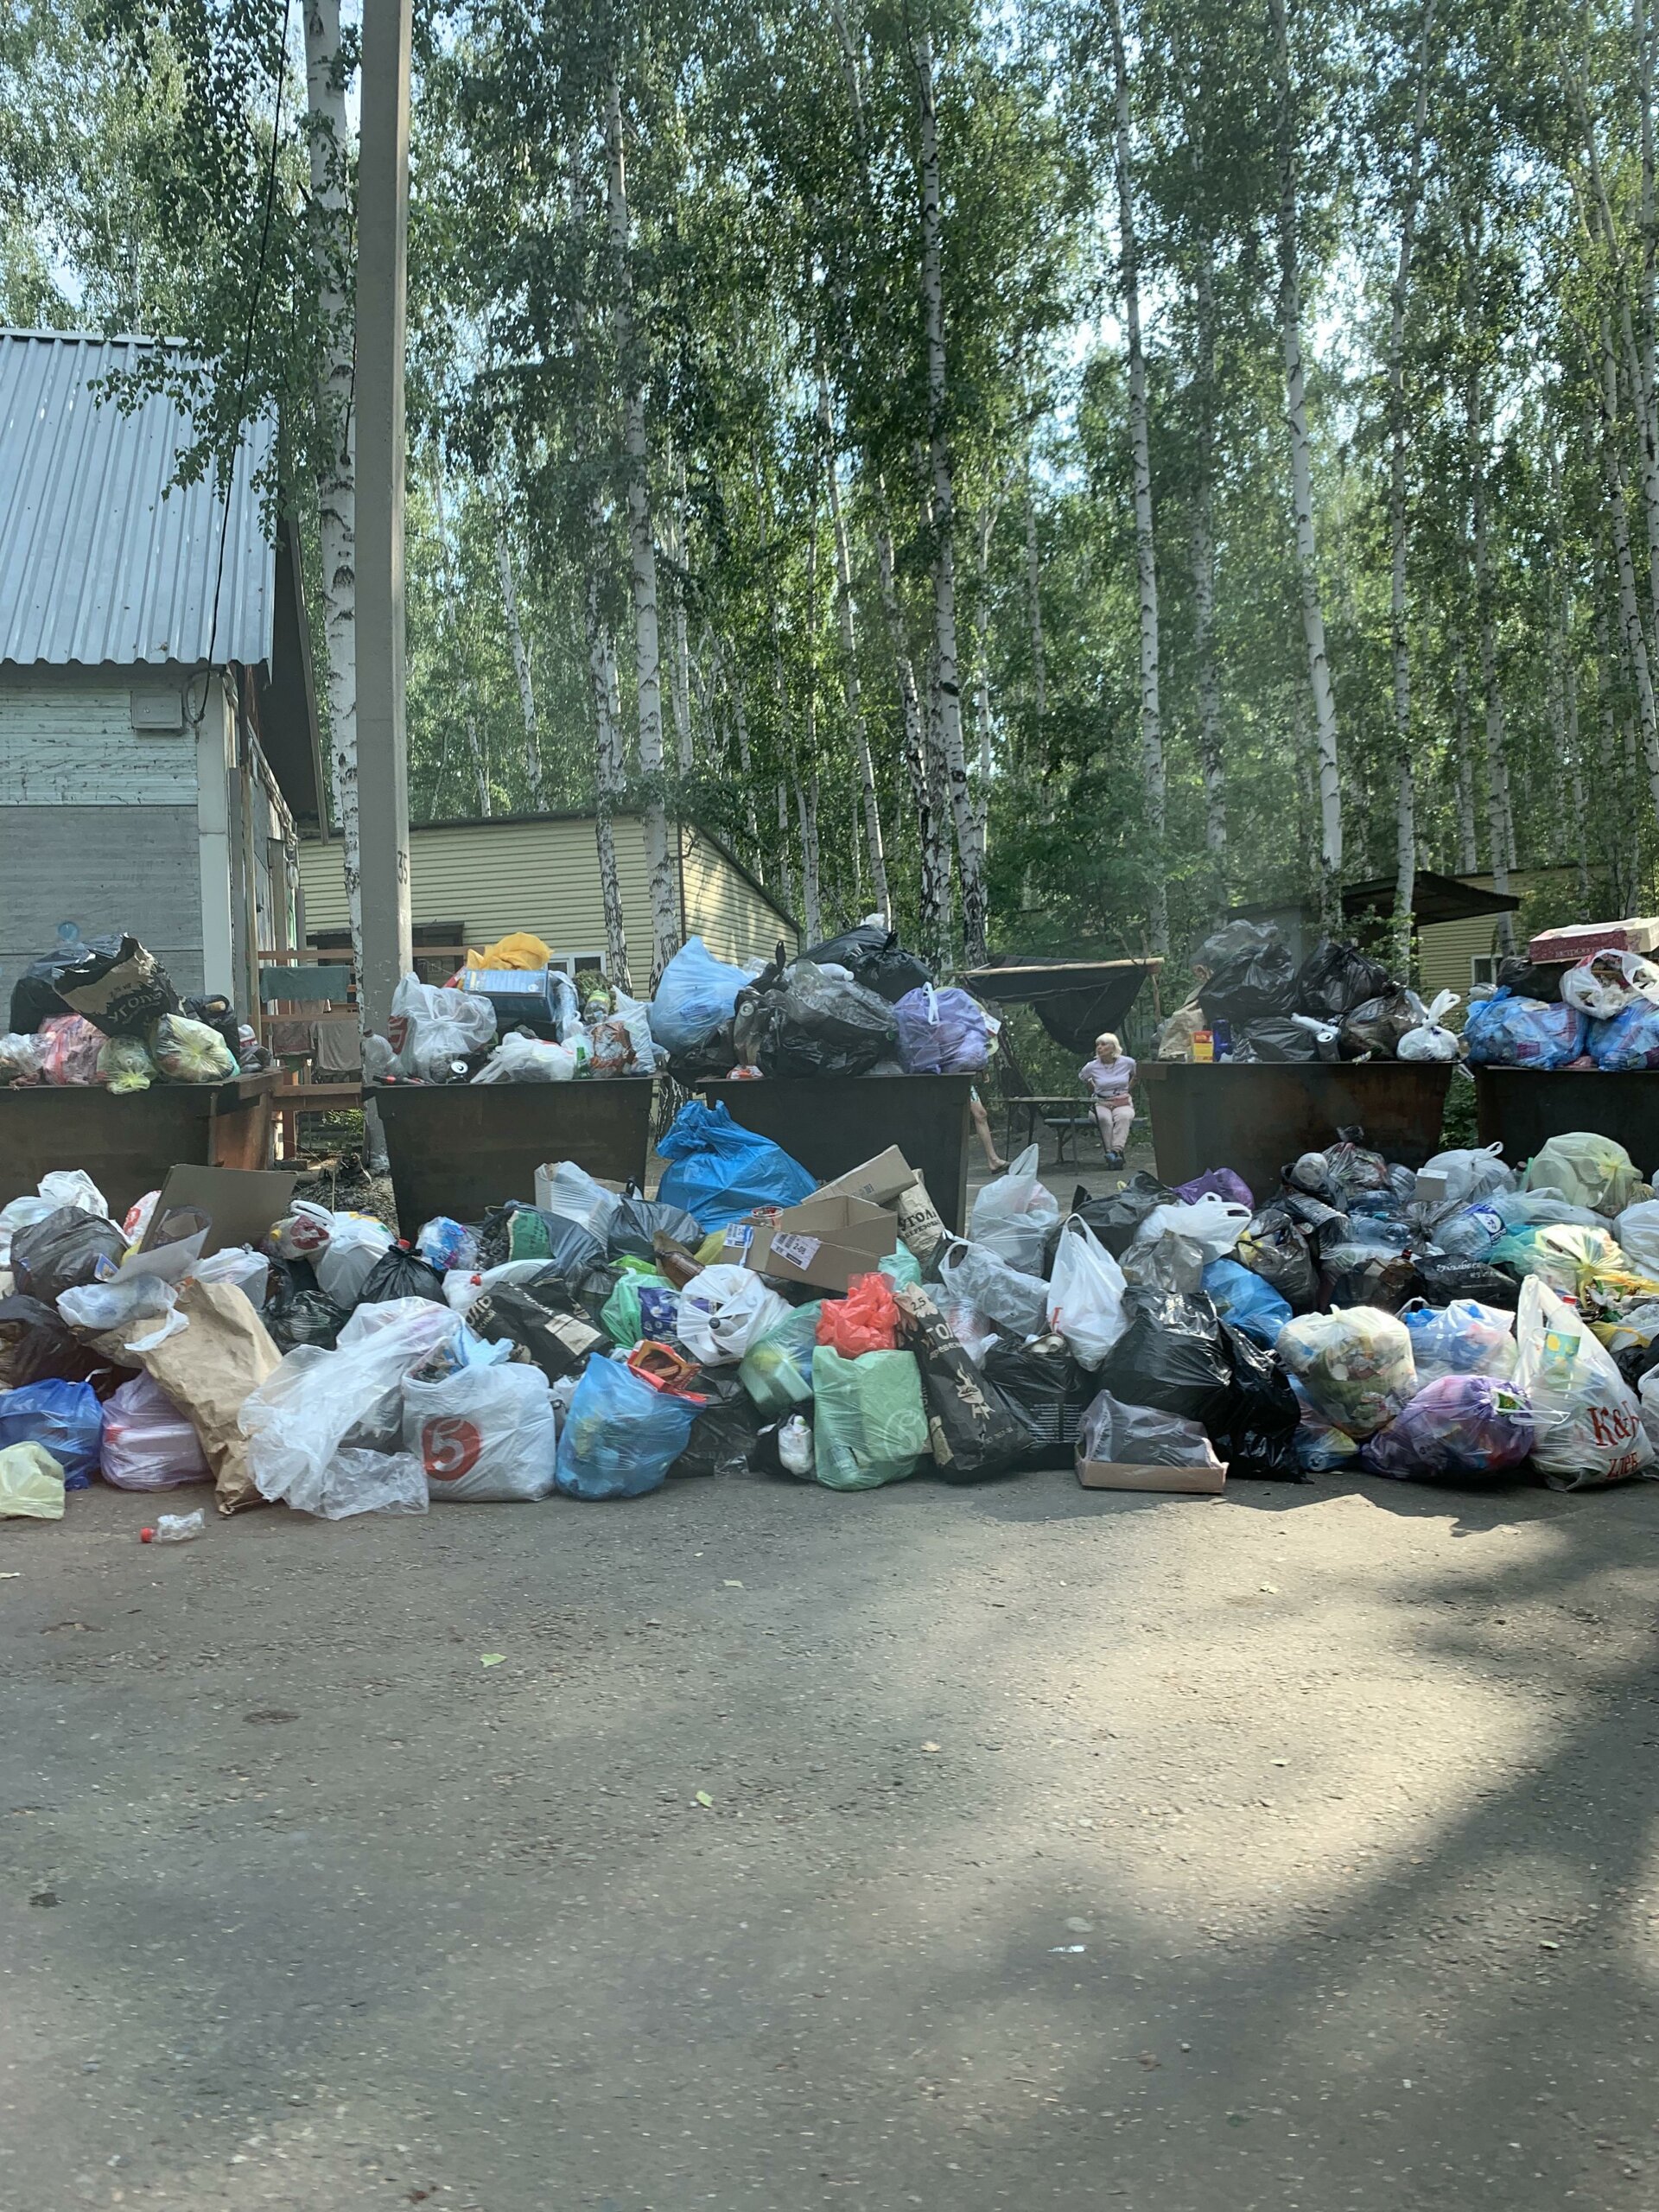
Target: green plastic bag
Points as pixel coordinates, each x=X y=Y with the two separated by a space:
x=1586 y=1169
x=903 y=1269
x=869 y=1426
x=620 y=1315
x=778 y=1372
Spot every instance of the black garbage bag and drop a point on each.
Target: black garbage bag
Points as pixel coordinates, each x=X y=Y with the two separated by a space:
x=217 y=1014
x=118 y=985
x=1635 y=1362
x=637 y=1222
x=543 y=1319
x=1365 y=1274
x=1443 y=1280
x=1280 y=1250
x=716 y=1056
x=38 y=1346
x=54 y=1255
x=1115 y=1217
x=1336 y=978
x=1046 y=1391
x=1250 y=987
x=1233 y=941
x=1533 y=979
x=296 y=1311
x=1376 y=1024
x=724 y=1435
x=975 y=1430
x=1172 y=1355
x=819 y=1025
x=1277 y=1038
x=400 y=1272
x=1255 y=1433
x=876 y=959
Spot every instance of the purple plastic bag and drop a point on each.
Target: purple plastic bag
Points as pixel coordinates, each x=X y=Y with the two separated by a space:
x=942 y=1032
x=1223 y=1183
x=1460 y=1425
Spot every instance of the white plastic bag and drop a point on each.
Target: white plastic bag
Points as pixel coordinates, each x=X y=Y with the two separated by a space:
x=967 y=1325
x=21 y=1213
x=1005 y=1294
x=303 y=1231
x=325 y=1431
x=1085 y=1294
x=1214 y=1224
x=1637 y=1231
x=1588 y=1428
x=1430 y=1039
x=73 y=1186
x=144 y=1304
x=635 y=1014
x=482 y=1432
x=1013 y=1215
x=1469 y=1175
x=241 y=1266
x=431 y=1027
x=724 y=1313
x=572 y=1193
x=1604 y=984
x=148 y=1443
x=356 y=1244
x=520 y=1059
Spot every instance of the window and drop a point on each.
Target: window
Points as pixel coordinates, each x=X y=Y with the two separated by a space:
x=1483 y=969
x=578 y=963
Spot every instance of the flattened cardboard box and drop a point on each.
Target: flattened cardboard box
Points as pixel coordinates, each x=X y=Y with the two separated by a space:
x=877 y=1181
x=1123 y=1474
x=824 y=1241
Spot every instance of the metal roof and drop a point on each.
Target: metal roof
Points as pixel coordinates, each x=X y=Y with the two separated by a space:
x=99 y=561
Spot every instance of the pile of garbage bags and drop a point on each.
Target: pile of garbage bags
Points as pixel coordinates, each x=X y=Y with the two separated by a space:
x=1462 y=1323
x=103 y=1011
x=1598 y=1011
x=1254 y=1004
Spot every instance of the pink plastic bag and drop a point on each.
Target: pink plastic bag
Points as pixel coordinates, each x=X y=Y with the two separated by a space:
x=867 y=1319
x=69 y=1049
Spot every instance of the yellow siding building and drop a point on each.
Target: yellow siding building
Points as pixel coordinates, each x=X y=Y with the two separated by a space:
x=484 y=879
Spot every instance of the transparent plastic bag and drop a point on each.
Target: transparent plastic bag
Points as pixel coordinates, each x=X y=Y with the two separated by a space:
x=1588 y=1170
x=431 y=1027
x=572 y=1192
x=1355 y=1365
x=1085 y=1294
x=70 y=1049
x=20 y=1059
x=725 y=1312
x=447 y=1244
x=1629 y=1042
x=1142 y=1436
x=1587 y=1426
x=520 y=1059
x=31 y=1483
x=1606 y=984
x=1005 y=1294
x=777 y=1369
x=696 y=994
x=1012 y=1216
x=357 y=1244
x=1465 y=1338
x=941 y=1031
x=190 y=1051
x=869 y=1422
x=148 y=1443
x=1213 y=1223
x=482 y=1432
x=1469 y=1174
x=1637 y=1231
x=1457 y=1425
x=1505 y=1031
x=124 y=1065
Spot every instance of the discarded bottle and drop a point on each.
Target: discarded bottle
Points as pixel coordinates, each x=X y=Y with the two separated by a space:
x=795 y=1445
x=175 y=1528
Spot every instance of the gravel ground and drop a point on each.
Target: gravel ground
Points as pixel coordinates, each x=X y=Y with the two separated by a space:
x=1290 y=1851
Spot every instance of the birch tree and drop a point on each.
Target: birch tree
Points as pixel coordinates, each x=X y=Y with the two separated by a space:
x=852 y=690
x=520 y=666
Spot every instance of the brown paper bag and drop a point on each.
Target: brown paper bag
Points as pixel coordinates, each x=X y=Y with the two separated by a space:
x=209 y=1370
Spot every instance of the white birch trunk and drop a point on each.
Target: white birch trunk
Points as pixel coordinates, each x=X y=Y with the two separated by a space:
x=1636 y=644
x=329 y=144
x=1212 y=760
x=1146 y=559
x=520 y=668
x=936 y=770
x=851 y=690
x=944 y=505
x=452 y=595
x=745 y=763
x=983 y=677
x=1497 y=765
x=1405 y=884
x=1468 y=835
x=934 y=897
x=786 y=865
x=806 y=807
x=647 y=647
x=1301 y=478
x=607 y=755
x=1034 y=610
x=680 y=663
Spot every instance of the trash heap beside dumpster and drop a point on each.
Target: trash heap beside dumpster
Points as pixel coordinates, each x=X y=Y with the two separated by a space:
x=1462 y=1323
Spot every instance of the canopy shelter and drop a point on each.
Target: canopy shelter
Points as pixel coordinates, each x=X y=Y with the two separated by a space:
x=1074 y=999
x=1434 y=898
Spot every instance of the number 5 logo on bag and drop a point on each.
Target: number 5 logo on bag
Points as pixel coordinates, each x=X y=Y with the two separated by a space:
x=450 y=1447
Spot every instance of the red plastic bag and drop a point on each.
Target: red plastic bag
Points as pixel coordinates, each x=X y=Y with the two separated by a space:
x=867 y=1319
x=69 y=1049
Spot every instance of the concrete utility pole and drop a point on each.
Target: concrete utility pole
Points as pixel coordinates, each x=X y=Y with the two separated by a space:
x=382 y=746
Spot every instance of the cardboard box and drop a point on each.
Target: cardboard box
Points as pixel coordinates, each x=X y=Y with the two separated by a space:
x=1635 y=933
x=544 y=1183
x=1123 y=1474
x=877 y=1181
x=241 y=1203
x=825 y=1241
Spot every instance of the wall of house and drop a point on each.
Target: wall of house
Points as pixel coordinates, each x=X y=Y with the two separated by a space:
x=733 y=917
x=543 y=875
x=111 y=826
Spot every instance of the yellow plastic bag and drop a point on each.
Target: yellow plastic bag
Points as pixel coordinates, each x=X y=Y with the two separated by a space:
x=123 y=1064
x=31 y=1483
x=518 y=950
x=188 y=1052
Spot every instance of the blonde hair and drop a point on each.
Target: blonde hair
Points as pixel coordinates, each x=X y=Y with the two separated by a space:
x=1106 y=1037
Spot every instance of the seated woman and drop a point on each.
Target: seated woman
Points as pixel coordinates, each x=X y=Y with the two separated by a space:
x=1109 y=1076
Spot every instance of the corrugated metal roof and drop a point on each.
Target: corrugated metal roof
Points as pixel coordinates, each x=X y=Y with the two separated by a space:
x=99 y=561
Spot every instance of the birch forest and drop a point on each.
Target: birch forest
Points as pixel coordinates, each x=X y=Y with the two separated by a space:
x=1049 y=474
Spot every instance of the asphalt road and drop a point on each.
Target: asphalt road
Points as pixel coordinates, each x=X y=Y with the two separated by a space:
x=1290 y=1851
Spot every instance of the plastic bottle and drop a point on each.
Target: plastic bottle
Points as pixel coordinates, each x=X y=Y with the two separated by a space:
x=175 y=1529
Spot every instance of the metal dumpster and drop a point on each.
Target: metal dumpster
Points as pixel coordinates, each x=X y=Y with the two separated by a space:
x=461 y=1148
x=1254 y=1119
x=1521 y=1108
x=127 y=1143
x=830 y=1124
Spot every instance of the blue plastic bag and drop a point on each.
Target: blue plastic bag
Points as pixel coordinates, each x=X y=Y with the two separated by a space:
x=1630 y=1041
x=1506 y=1031
x=942 y=1032
x=1245 y=1299
x=721 y=1170
x=620 y=1436
x=696 y=994
x=65 y=1417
